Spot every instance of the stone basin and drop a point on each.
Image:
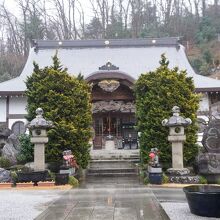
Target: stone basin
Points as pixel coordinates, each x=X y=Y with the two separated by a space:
x=203 y=200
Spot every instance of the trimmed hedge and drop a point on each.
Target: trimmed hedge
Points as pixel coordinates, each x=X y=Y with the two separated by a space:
x=156 y=93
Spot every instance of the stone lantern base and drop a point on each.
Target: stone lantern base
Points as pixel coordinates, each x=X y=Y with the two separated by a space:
x=181 y=176
x=209 y=166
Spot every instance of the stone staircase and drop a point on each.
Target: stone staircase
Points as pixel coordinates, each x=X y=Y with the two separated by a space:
x=113 y=171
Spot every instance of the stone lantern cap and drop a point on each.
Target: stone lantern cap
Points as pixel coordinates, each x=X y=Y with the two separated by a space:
x=40 y=121
x=176 y=119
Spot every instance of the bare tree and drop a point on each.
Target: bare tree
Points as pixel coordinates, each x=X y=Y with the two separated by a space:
x=24 y=6
x=12 y=30
x=203 y=8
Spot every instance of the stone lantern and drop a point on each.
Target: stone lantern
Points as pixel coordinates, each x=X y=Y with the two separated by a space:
x=176 y=125
x=39 y=138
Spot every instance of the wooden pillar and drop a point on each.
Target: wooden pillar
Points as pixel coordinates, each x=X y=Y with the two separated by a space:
x=7 y=111
x=210 y=103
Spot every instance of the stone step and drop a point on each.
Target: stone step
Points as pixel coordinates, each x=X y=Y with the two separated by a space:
x=117 y=182
x=134 y=158
x=111 y=165
x=112 y=174
x=111 y=170
x=125 y=180
x=115 y=160
x=115 y=154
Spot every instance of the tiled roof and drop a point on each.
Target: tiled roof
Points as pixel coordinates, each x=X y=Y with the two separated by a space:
x=167 y=41
x=130 y=56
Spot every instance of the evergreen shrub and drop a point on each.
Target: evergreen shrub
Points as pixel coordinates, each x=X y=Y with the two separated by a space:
x=156 y=93
x=202 y=180
x=73 y=181
x=165 y=179
x=4 y=162
x=146 y=180
x=66 y=102
x=27 y=149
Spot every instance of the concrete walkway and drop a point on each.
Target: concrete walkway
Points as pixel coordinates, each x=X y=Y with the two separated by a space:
x=106 y=203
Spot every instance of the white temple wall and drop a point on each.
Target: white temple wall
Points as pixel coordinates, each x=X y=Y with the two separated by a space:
x=204 y=102
x=17 y=105
x=2 y=109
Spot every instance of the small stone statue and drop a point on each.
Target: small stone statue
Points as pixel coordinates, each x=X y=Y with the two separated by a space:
x=69 y=160
x=154 y=158
x=154 y=168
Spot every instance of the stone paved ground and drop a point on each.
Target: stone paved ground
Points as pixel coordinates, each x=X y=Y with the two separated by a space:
x=106 y=203
x=118 y=200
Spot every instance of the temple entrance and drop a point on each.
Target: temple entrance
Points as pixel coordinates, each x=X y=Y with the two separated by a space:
x=107 y=125
x=111 y=126
x=115 y=127
x=113 y=109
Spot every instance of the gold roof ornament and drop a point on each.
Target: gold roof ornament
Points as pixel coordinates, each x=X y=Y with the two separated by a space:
x=109 y=85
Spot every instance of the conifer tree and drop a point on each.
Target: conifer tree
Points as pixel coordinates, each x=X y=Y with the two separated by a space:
x=156 y=93
x=66 y=101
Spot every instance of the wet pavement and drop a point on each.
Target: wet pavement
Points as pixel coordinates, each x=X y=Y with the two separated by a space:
x=175 y=195
x=106 y=202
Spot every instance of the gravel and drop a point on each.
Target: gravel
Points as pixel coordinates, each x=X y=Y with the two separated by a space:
x=180 y=211
x=26 y=204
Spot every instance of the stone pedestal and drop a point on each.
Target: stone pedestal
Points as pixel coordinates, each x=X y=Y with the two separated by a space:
x=151 y=169
x=155 y=175
x=177 y=150
x=181 y=176
x=69 y=171
x=209 y=166
x=39 y=149
x=209 y=158
x=39 y=157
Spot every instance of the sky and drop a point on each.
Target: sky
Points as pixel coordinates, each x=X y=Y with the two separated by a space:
x=13 y=8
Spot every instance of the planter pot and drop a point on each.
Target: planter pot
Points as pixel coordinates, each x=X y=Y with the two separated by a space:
x=61 y=178
x=30 y=184
x=155 y=175
x=155 y=178
x=203 y=200
x=46 y=183
x=5 y=185
x=35 y=176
